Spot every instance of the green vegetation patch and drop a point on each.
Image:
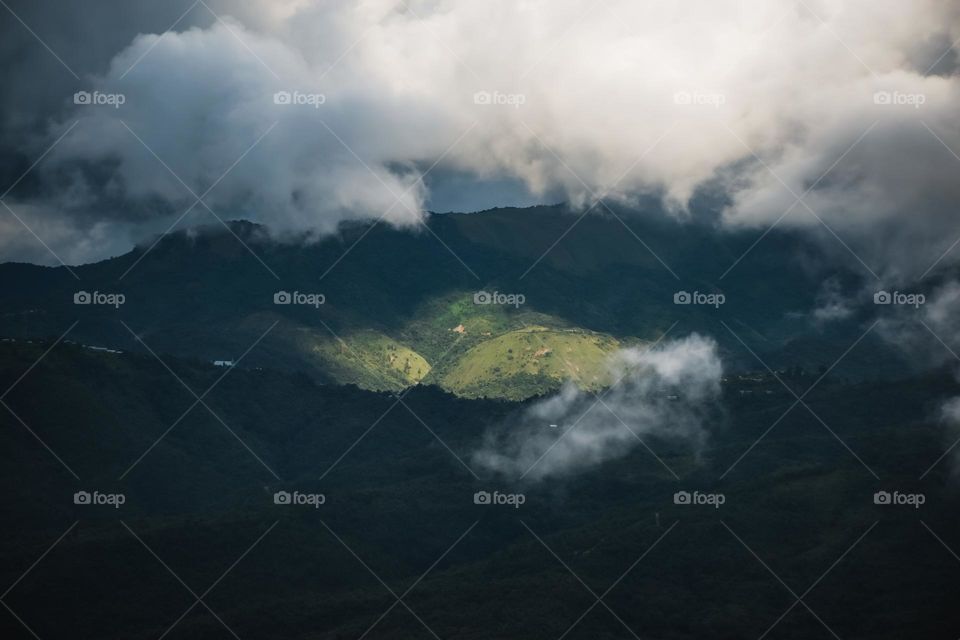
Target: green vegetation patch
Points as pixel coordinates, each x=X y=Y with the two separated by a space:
x=535 y=359
x=369 y=359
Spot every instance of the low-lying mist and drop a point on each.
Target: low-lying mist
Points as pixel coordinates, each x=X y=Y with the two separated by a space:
x=667 y=391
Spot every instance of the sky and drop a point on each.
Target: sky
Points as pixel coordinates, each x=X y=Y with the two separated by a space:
x=126 y=118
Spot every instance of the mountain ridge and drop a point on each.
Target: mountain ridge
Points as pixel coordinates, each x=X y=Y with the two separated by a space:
x=394 y=301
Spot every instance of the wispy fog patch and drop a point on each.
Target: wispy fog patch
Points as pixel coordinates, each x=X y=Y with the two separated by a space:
x=670 y=391
x=927 y=333
x=832 y=304
x=950 y=416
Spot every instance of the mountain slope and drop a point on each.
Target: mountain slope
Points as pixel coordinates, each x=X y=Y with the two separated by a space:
x=531 y=361
x=393 y=301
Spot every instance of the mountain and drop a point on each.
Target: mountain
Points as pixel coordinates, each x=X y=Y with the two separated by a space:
x=505 y=303
x=397 y=479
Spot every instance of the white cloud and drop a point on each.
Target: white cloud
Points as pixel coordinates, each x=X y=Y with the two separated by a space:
x=667 y=392
x=950 y=417
x=793 y=82
x=831 y=304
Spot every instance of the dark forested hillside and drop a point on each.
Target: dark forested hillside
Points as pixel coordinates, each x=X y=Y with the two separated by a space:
x=398 y=483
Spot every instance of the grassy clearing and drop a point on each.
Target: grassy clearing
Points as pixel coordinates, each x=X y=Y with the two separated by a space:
x=534 y=359
x=370 y=360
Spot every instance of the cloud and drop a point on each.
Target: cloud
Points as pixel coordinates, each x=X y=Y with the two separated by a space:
x=57 y=237
x=206 y=104
x=622 y=98
x=833 y=304
x=950 y=417
x=929 y=333
x=929 y=336
x=667 y=392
